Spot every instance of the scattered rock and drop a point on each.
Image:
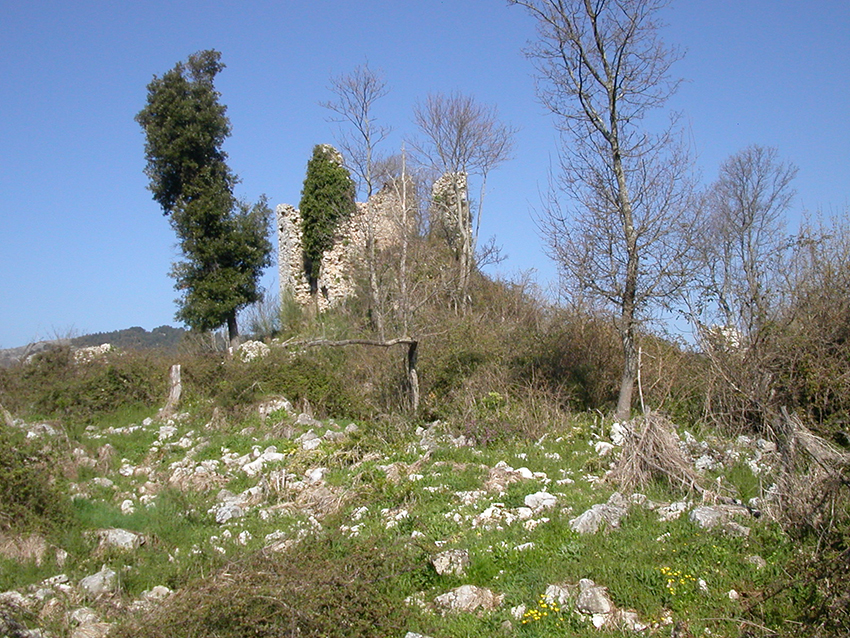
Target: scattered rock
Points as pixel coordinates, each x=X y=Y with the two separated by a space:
x=103 y=582
x=502 y=475
x=672 y=511
x=710 y=517
x=593 y=599
x=120 y=539
x=453 y=561
x=316 y=475
x=92 y=630
x=251 y=350
x=274 y=404
x=559 y=594
x=609 y=513
x=469 y=598
x=304 y=419
x=757 y=561
x=705 y=463
x=269 y=455
x=736 y=529
x=540 y=501
x=603 y=448
x=618 y=434
x=92 y=353
x=706 y=517
x=227 y=512
x=83 y=616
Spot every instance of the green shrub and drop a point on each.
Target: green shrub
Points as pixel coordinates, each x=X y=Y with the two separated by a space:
x=52 y=385
x=324 y=587
x=317 y=376
x=30 y=499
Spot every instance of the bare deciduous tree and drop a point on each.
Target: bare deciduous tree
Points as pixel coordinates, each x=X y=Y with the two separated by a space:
x=743 y=302
x=356 y=95
x=461 y=139
x=745 y=249
x=620 y=235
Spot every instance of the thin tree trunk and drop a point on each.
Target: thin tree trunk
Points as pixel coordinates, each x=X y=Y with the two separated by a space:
x=413 y=375
x=174 y=394
x=628 y=302
x=232 y=330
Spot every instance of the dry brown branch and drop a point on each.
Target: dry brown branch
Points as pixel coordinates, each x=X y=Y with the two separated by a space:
x=813 y=471
x=651 y=451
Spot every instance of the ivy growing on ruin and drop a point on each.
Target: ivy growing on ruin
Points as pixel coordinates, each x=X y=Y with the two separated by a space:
x=327 y=199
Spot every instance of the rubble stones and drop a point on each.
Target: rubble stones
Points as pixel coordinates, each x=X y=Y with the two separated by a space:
x=453 y=561
x=92 y=630
x=120 y=539
x=608 y=513
x=469 y=598
x=706 y=517
x=593 y=599
x=83 y=616
x=103 y=582
x=251 y=350
x=540 y=501
x=228 y=511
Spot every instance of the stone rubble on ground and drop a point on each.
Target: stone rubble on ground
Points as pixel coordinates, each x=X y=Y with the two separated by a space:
x=467 y=599
x=103 y=582
x=609 y=513
x=452 y=561
x=309 y=495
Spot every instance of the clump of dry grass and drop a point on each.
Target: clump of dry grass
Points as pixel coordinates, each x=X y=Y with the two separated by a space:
x=651 y=452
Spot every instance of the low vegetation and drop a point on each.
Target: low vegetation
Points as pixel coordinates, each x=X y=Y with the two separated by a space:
x=339 y=537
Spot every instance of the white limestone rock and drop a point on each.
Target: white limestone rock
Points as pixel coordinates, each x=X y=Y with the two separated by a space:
x=120 y=539
x=103 y=582
x=452 y=561
x=540 y=501
x=469 y=598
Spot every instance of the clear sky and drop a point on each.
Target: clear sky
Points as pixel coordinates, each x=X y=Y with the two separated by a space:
x=84 y=248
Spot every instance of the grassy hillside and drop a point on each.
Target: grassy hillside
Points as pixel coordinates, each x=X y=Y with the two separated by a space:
x=294 y=494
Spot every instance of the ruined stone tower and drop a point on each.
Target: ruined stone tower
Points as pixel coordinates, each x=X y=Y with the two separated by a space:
x=373 y=221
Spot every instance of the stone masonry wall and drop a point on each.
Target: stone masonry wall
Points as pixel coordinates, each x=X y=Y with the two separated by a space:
x=374 y=218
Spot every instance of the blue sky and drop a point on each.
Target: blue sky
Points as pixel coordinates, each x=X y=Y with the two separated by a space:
x=83 y=247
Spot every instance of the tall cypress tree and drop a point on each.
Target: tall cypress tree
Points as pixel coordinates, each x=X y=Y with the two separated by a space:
x=326 y=200
x=224 y=242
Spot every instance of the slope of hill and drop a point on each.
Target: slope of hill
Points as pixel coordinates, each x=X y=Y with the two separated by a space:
x=135 y=338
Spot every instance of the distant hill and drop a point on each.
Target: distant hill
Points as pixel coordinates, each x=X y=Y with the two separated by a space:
x=135 y=338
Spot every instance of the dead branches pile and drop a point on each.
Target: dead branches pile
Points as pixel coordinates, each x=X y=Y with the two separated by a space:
x=811 y=488
x=650 y=452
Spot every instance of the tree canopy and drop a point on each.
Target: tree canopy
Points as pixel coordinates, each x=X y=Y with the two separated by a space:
x=224 y=241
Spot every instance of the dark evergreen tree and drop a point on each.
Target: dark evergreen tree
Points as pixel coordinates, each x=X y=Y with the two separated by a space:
x=224 y=241
x=326 y=200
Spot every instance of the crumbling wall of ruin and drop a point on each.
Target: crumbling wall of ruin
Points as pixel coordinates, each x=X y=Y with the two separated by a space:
x=374 y=220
